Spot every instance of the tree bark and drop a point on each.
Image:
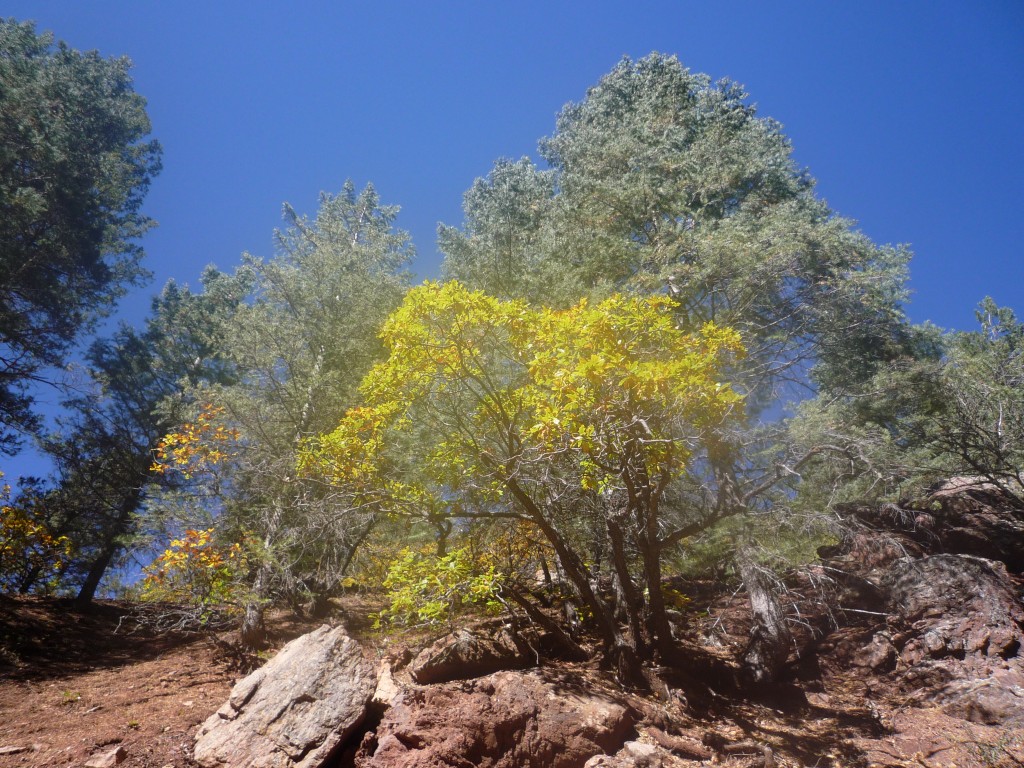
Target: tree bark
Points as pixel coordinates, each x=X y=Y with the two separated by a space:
x=29 y=579
x=626 y=590
x=770 y=638
x=658 y=625
x=566 y=644
x=253 y=632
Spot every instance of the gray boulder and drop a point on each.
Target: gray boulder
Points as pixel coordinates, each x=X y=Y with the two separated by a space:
x=294 y=711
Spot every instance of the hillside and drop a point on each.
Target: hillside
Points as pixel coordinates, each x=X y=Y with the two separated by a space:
x=874 y=678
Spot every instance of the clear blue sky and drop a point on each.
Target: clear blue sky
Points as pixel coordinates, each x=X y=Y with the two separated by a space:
x=909 y=114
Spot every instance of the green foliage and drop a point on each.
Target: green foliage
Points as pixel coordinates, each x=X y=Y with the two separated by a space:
x=952 y=406
x=502 y=247
x=103 y=448
x=425 y=589
x=661 y=180
x=982 y=423
x=74 y=168
x=284 y=365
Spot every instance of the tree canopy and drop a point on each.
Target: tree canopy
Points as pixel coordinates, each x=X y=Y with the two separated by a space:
x=601 y=390
x=296 y=351
x=661 y=180
x=75 y=165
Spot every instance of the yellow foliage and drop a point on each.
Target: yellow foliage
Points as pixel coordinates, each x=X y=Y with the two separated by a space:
x=499 y=383
x=196 y=570
x=195 y=446
x=26 y=541
x=424 y=588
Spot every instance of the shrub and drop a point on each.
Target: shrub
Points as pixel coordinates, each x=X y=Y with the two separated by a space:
x=424 y=589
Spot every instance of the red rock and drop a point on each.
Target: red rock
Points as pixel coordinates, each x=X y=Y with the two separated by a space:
x=505 y=720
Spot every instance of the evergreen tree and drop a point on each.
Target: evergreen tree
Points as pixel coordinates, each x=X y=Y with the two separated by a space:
x=74 y=168
x=103 y=448
x=299 y=347
x=662 y=181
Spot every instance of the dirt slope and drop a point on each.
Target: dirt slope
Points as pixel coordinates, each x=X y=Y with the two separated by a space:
x=75 y=684
x=927 y=676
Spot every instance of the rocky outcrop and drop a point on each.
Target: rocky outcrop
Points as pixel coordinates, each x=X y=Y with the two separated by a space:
x=961 y=516
x=472 y=653
x=634 y=754
x=956 y=605
x=294 y=711
x=509 y=719
x=955 y=623
x=963 y=628
x=972 y=517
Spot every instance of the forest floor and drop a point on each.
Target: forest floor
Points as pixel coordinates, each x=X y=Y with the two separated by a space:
x=75 y=685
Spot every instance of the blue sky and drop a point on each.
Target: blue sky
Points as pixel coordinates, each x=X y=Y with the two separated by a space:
x=909 y=114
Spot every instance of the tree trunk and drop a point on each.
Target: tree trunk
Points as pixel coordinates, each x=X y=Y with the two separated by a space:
x=29 y=579
x=96 y=570
x=620 y=654
x=658 y=625
x=770 y=638
x=253 y=633
x=121 y=525
x=626 y=592
x=566 y=644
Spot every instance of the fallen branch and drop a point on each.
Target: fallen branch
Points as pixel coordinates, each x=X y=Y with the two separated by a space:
x=687 y=748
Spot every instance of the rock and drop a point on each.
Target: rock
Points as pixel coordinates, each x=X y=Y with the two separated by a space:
x=961 y=516
x=606 y=761
x=470 y=653
x=974 y=517
x=109 y=759
x=990 y=702
x=641 y=755
x=939 y=573
x=510 y=719
x=387 y=691
x=966 y=629
x=295 y=710
x=958 y=605
x=634 y=754
x=880 y=654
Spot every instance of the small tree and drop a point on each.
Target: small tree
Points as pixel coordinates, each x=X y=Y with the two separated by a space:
x=982 y=424
x=28 y=545
x=952 y=406
x=197 y=581
x=542 y=416
x=295 y=351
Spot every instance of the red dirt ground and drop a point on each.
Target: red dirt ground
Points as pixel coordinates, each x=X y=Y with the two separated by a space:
x=74 y=685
